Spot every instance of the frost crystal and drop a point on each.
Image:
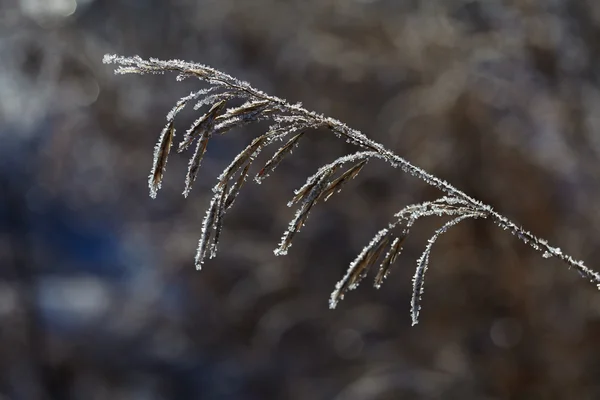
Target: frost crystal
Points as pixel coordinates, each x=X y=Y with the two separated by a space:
x=292 y=119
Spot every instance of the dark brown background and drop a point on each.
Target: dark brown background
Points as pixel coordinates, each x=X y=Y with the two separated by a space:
x=99 y=298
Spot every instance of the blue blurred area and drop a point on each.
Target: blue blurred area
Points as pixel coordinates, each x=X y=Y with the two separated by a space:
x=75 y=240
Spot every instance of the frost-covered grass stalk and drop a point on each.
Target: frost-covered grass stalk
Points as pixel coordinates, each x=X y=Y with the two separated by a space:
x=291 y=121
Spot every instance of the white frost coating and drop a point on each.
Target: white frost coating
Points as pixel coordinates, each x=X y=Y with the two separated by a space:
x=247 y=155
x=225 y=125
x=444 y=206
x=342 y=285
x=391 y=257
x=301 y=214
x=213 y=98
x=184 y=100
x=207 y=226
x=276 y=159
x=194 y=164
x=248 y=107
x=422 y=264
x=281 y=112
x=282 y=248
x=439 y=207
x=159 y=163
x=235 y=189
x=330 y=168
x=218 y=225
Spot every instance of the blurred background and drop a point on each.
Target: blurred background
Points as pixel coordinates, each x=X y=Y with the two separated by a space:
x=99 y=297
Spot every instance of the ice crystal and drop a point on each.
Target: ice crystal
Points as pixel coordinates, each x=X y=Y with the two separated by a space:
x=294 y=120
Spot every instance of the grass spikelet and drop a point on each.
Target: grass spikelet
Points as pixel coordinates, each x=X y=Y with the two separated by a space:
x=247 y=110
x=389 y=259
x=423 y=263
x=359 y=267
x=337 y=184
x=287 y=119
x=309 y=197
x=316 y=181
x=202 y=125
x=218 y=226
x=194 y=164
x=207 y=226
x=278 y=156
x=161 y=153
x=369 y=260
x=235 y=189
x=247 y=154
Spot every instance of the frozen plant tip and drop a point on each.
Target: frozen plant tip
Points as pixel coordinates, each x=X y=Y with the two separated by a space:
x=292 y=122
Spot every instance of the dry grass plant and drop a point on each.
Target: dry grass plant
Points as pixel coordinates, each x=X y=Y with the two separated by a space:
x=291 y=122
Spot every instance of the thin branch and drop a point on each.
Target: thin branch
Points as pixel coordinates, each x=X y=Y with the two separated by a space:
x=293 y=118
